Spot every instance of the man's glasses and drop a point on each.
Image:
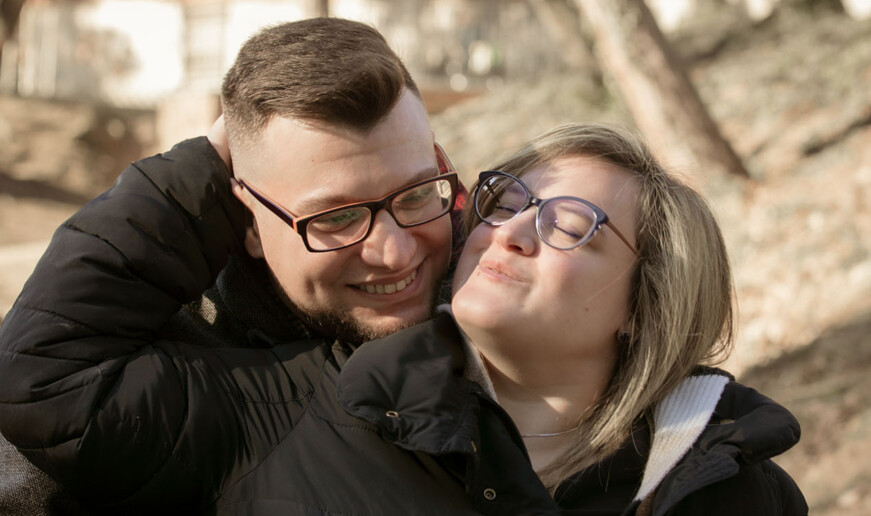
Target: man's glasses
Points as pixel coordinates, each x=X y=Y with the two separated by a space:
x=561 y=222
x=350 y=224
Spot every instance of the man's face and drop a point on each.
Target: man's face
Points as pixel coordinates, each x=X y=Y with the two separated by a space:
x=375 y=287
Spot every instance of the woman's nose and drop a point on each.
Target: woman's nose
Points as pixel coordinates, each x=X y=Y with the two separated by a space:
x=519 y=234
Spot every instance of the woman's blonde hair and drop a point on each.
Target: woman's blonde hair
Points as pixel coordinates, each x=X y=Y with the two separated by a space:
x=681 y=309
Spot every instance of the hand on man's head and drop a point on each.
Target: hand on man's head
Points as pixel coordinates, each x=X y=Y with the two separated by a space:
x=217 y=136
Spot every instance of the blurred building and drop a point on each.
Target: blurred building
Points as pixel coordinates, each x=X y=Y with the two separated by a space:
x=170 y=55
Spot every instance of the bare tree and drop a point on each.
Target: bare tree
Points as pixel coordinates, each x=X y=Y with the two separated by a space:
x=561 y=20
x=323 y=7
x=10 y=10
x=656 y=88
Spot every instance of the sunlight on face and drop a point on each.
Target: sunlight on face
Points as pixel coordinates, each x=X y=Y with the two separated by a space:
x=511 y=290
x=371 y=288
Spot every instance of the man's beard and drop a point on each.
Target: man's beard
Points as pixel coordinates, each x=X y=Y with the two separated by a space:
x=347 y=329
x=344 y=327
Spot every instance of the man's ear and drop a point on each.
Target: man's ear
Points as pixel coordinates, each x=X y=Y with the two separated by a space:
x=252 y=240
x=252 y=232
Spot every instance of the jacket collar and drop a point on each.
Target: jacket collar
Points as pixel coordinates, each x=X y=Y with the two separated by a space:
x=416 y=387
x=754 y=426
x=678 y=421
x=245 y=297
x=474 y=370
x=411 y=386
x=742 y=427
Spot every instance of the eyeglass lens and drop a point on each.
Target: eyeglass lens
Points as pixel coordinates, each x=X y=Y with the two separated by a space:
x=414 y=206
x=561 y=222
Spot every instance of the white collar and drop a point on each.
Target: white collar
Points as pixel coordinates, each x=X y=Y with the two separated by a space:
x=678 y=421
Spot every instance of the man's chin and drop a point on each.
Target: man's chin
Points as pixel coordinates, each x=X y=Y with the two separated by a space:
x=366 y=332
x=351 y=329
x=368 y=327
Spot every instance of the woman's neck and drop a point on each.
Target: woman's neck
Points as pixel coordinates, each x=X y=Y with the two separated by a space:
x=546 y=388
x=547 y=402
x=543 y=402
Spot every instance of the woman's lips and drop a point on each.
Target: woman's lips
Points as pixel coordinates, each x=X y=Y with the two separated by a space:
x=500 y=269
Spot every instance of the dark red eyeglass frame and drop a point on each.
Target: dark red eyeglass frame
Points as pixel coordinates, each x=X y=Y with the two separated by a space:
x=298 y=224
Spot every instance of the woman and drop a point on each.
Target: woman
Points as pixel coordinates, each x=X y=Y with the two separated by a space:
x=593 y=290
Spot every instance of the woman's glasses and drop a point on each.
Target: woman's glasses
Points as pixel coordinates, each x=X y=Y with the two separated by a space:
x=561 y=222
x=347 y=225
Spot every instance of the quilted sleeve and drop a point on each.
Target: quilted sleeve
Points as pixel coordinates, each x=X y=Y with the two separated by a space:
x=87 y=392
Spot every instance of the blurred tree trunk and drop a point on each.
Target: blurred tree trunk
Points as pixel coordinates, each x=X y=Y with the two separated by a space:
x=10 y=10
x=563 y=23
x=656 y=87
x=323 y=7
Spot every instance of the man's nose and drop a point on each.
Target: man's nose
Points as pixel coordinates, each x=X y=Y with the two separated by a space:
x=388 y=245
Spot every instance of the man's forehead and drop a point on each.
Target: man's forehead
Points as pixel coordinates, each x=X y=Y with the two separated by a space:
x=308 y=166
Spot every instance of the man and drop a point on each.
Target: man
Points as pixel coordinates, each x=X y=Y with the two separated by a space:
x=149 y=362
x=344 y=137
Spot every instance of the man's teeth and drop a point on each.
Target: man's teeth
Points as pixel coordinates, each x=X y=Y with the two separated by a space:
x=399 y=286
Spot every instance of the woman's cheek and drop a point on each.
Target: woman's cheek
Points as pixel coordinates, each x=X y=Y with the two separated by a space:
x=473 y=248
x=464 y=270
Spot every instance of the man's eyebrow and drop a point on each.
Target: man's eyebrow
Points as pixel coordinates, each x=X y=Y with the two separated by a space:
x=318 y=204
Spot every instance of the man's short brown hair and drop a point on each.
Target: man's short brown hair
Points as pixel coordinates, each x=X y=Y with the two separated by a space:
x=330 y=70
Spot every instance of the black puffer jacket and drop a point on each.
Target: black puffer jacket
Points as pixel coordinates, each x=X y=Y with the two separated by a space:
x=221 y=408
x=134 y=404
x=708 y=452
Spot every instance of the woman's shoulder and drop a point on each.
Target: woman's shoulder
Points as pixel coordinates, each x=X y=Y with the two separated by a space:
x=761 y=427
x=729 y=469
x=760 y=489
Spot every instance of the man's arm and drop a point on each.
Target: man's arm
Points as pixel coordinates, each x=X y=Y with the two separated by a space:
x=87 y=392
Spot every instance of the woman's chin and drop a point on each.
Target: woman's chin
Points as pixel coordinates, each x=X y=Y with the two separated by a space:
x=481 y=314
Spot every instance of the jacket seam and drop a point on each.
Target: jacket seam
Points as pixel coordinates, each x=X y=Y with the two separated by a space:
x=255 y=466
x=318 y=508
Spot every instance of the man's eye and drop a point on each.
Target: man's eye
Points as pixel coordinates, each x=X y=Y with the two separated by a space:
x=416 y=198
x=337 y=221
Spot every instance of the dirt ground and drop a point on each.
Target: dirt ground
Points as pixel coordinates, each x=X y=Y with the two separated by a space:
x=791 y=94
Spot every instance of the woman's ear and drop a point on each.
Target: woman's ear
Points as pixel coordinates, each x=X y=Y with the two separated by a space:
x=623 y=337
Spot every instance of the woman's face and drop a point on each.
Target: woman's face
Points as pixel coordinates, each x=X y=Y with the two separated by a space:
x=514 y=291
